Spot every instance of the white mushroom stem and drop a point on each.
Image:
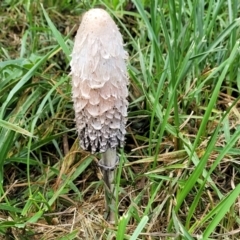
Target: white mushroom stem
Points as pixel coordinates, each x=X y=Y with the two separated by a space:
x=109 y=160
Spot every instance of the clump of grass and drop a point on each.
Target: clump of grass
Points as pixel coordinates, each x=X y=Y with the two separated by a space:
x=179 y=175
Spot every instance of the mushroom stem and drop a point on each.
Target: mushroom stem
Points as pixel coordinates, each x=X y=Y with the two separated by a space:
x=109 y=159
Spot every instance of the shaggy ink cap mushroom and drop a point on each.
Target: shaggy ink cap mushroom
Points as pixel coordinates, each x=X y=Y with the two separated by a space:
x=99 y=82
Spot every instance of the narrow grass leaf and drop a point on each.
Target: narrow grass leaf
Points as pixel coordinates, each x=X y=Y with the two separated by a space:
x=151 y=33
x=15 y=128
x=223 y=208
x=123 y=221
x=139 y=228
x=35 y=217
x=180 y=228
x=24 y=80
x=215 y=93
x=57 y=35
x=80 y=169
x=70 y=236
x=151 y=200
x=224 y=151
x=6 y=143
x=227 y=31
x=9 y=208
x=196 y=173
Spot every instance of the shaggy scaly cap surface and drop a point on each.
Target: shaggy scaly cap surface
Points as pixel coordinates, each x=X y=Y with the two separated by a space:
x=99 y=82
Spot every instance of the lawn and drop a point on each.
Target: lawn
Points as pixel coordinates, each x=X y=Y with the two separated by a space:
x=179 y=172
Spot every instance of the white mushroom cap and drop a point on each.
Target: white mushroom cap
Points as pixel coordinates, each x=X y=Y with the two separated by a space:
x=99 y=82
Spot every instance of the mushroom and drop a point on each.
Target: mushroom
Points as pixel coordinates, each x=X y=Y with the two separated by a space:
x=99 y=91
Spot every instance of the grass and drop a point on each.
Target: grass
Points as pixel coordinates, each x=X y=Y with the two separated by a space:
x=178 y=176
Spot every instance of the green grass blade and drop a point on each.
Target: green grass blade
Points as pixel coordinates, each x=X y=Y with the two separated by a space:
x=15 y=128
x=57 y=34
x=222 y=208
x=139 y=228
